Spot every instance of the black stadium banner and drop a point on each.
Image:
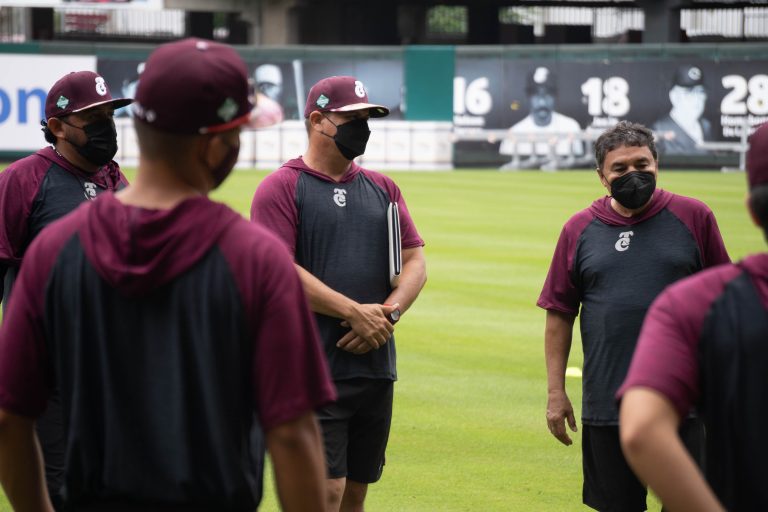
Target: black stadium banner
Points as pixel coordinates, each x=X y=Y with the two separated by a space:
x=693 y=105
x=517 y=111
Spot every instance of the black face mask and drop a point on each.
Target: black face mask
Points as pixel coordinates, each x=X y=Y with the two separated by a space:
x=351 y=137
x=634 y=189
x=101 y=145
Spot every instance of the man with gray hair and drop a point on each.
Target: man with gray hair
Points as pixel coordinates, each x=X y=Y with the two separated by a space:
x=611 y=261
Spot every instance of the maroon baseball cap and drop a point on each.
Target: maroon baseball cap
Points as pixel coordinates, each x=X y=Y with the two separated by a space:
x=78 y=91
x=341 y=94
x=193 y=86
x=757 y=157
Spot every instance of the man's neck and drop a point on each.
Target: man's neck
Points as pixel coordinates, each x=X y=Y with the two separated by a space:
x=158 y=187
x=70 y=154
x=333 y=166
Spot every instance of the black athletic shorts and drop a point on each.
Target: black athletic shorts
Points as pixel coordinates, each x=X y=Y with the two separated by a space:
x=609 y=483
x=356 y=428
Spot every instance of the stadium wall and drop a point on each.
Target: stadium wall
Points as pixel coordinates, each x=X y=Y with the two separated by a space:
x=595 y=86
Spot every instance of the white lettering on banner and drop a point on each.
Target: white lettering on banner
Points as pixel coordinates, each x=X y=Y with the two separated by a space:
x=22 y=95
x=471 y=101
x=745 y=103
x=609 y=97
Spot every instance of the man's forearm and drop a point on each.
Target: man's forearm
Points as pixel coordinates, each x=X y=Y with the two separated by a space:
x=21 y=465
x=412 y=279
x=322 y=298
x=650 y=440
x=296 y=450
x=558 y=336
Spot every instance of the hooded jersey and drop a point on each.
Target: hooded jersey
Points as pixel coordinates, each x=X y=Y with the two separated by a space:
x=612 y=267
x=163 y=330
x=338 y=232
x=37 y=190
x=705 y=343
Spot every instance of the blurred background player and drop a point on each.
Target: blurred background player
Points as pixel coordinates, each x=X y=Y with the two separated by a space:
x=612 y=260
x=332 y=213
x=684 y=127
x=159 y=382
x=543 y=122
x=268 y=92
x=703 y=344
x=45 y=186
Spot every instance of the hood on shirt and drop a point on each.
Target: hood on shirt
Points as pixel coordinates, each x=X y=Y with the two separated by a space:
x=299 y=165
x=107 y=177
x=137 y=250
x=602 y=209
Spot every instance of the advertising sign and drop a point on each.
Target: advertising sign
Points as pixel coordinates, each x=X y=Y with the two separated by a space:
x=23 y=91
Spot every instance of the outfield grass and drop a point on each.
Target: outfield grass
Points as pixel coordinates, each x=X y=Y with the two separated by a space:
x=469 y=432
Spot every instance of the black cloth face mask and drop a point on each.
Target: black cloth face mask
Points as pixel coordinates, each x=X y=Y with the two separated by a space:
x=101 y=145
x=351 y=137
x=634 y=189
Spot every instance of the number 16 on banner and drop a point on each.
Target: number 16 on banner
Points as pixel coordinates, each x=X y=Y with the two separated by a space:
x=395 y=249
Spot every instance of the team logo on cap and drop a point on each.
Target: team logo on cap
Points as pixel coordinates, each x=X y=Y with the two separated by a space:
x=541 y=75
x=62 y=102
x=359 y=89
x=228 y=109
x=322 y=101
x=101 y=87
x=694 y=73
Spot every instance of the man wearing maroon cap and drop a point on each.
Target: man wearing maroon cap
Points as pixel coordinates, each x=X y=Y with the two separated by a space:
x=43 y=187
x=171 y=331
x=333 y=215
x=704 y=344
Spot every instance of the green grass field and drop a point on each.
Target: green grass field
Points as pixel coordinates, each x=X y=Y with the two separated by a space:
x=469 y=432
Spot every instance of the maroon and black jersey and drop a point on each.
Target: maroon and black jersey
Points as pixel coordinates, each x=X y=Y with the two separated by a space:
x=38 y=190
x=338 y=232
x=613 y=267
x=163 y=330
x=705 y=343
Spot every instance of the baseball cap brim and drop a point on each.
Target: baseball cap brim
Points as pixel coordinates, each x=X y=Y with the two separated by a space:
x=373 y=110
x=117 y=103
x=245 y=118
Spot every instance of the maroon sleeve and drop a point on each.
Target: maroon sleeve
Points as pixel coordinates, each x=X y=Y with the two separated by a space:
x=409 y=235
x=290 y=373
x=701 y=222
x=666 y=357
x=274 y=205
x=560 y=292
x=19 y=184
x=25 y=377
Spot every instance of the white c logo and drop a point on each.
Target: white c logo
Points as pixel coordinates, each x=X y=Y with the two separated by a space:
x=622 y=244
x=340 y=197
x=101 y=87
x=359 y=89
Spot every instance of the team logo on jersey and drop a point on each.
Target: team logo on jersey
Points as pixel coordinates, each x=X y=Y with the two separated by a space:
x=101 y=86
x=62 y=102
x=322 y=101
x=340 y=197
x=90 y=190
x=622 y=244
x=359 y=89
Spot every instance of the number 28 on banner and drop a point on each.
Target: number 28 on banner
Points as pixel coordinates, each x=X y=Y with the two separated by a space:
x=745 y=96
x=609 y=97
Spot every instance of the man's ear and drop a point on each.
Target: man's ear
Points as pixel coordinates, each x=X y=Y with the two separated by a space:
x=602 y=178
x=315 y=120
x=56 y=127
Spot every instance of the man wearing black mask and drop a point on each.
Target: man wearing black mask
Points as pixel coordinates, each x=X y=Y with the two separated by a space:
x=612 y=260
x=45 y=186
x=333 y=215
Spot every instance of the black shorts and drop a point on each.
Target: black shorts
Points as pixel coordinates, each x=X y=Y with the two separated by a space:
x=609 y=483
x=356 y=428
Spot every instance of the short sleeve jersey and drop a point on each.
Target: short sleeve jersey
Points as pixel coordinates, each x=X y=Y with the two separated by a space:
x=612 y=268
x=704 y=343
x=161 y=366
x=338 y=232
x=39 y=189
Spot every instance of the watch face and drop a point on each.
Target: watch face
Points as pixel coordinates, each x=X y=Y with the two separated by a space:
x=395 y=315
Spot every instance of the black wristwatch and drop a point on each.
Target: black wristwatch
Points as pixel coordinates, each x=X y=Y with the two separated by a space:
x=394 y=316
